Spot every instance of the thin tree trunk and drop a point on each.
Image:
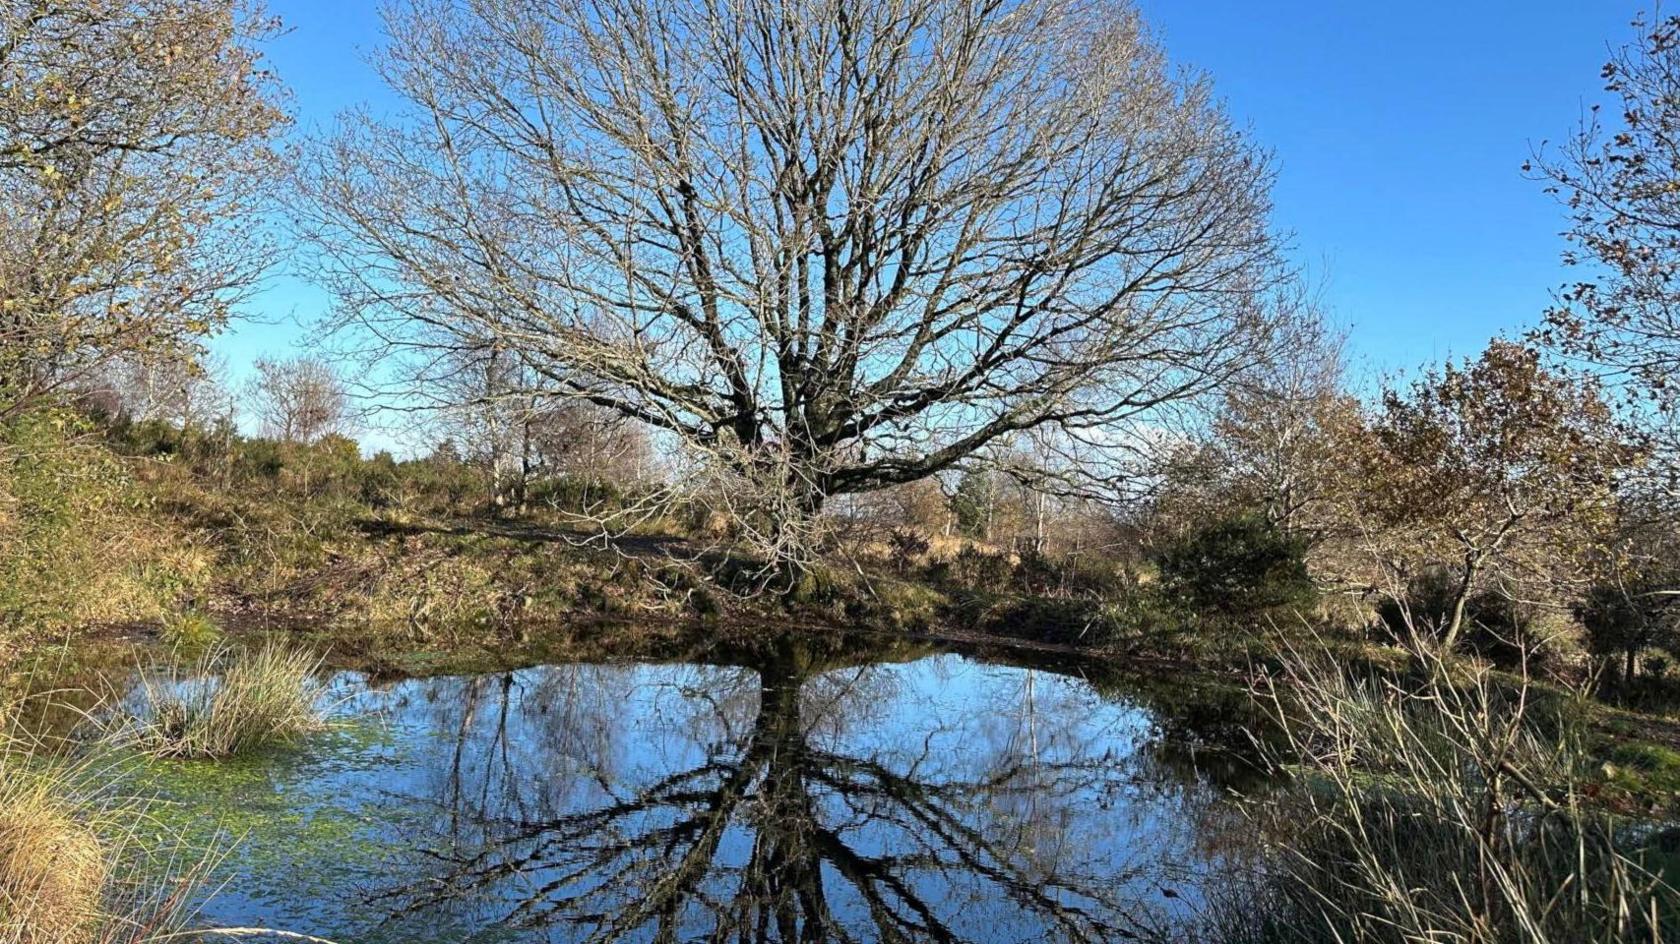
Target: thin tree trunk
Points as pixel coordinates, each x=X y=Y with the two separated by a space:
x=1449 y=637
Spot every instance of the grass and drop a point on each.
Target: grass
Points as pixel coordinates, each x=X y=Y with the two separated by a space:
x=53 y=868
x=227 y=702
x=1437 y=806
x=79 y=862
x=190 y=631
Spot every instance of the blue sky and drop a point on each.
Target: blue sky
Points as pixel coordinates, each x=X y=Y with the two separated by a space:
x=1399 y=131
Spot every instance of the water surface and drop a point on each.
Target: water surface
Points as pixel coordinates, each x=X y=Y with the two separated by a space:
x=778 y=792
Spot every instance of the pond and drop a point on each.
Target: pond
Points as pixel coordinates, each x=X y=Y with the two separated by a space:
x=780 y=791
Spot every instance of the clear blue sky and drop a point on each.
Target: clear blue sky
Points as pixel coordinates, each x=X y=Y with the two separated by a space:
x=1399 y=130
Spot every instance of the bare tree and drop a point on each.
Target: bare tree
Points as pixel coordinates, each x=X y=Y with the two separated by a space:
x=913 y=843
x=490 y=409
x=1277 y=445
x=830 y=247
x=505 y=419
x=298 y=400
x=133 y=139
x=581 y=439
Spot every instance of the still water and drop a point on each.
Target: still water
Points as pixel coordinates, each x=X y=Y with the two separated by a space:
x=769 y=793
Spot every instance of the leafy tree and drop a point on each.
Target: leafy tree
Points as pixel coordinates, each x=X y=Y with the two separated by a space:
x=1619 y=179
x=1280 y=443
x=1624 y=619
x=134 y=137
x=1499 y=466
x=975 y=503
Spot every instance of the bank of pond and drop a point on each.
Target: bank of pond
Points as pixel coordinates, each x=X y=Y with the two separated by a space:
x=770 y=787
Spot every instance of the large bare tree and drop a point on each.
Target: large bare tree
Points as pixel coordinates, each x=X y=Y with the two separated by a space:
x=829 y=246
x=133 y=137
x=184 y=392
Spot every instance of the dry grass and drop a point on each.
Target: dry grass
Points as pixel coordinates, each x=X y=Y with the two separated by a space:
x=226 y=702
x=52 y=868
x=1440 y=807
x=79 y=862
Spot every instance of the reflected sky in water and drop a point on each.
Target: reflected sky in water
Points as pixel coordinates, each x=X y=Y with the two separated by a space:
x=783 y=792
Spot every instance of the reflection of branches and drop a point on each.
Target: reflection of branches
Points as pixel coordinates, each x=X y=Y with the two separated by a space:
x=772 y=835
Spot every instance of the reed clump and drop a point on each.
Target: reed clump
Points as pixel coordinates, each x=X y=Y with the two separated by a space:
x=225 y=702
x=1437 y=806
x=53 y=869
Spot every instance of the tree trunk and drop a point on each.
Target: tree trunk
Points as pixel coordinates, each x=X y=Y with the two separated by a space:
x=1455 y=624
x=1038 y=525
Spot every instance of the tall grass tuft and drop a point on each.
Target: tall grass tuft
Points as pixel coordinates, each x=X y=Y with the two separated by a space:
x=1441 y=807
x=226 y=702
x=80 y=863
x=52 y=868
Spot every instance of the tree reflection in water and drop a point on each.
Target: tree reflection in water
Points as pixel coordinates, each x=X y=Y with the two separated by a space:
x=799 y=792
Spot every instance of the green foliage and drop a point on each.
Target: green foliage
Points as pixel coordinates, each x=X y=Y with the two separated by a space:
x=1072 y=575
x=974 y=568
x=328 y=469
x=63 y=506
x=1623 y=620
x=190 y=631
x=974 y=503
x=1237 y=564
x=577 y=494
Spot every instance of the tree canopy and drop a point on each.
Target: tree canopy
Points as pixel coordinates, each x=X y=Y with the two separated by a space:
x=133 y=137
x=829 y=247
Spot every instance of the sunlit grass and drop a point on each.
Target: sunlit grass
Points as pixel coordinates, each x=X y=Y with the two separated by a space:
x=80 y=862
x=224 y=703
x=1438 y=806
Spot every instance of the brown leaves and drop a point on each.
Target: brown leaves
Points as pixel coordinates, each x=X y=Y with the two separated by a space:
x=1502 y=458
x=1621 y=186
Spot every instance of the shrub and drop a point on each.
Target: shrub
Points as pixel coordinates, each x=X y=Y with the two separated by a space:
x=1037 y=574
x=577 y=494
x=1235 y=565
x=230 y=702
x=905 y=547
x=1621 y=621
x=71 y=549
x=1077 y=576
x=976 y=569
x=1495 y=626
